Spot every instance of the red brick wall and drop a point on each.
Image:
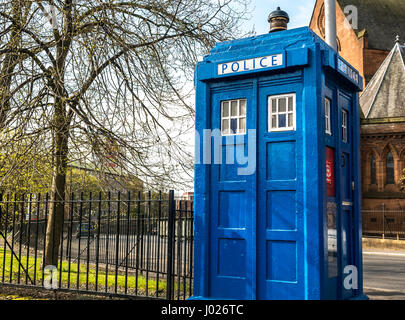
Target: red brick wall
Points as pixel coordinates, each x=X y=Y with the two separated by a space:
x=373 y=59
x=353 y=49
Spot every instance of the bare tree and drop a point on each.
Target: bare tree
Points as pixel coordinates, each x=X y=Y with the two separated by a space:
x=93 y=74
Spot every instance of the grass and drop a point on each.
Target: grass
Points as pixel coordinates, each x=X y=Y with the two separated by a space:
x=77 y=275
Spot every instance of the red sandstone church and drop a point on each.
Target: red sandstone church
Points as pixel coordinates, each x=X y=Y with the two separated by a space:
x=374 y=44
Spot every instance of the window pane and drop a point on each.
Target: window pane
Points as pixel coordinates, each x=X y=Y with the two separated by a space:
x=327 y=117
x=282 y=105
x=242 y=111
x=234 y=108
x=225 y=126
x=274 y=105
x=234 y=125
x=373 y=171
x=282 y=120
x=344 y=126
x=390 y=169
x=225 y=109
x=242 y=125
x=290 y=120
x=274 y=121
x=290 y=104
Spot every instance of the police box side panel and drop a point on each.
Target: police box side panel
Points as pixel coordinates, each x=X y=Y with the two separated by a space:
x=233 y=191
x=341 y=185
x=201 y=196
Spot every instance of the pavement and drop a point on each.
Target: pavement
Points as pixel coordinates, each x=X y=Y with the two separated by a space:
x=384 y=274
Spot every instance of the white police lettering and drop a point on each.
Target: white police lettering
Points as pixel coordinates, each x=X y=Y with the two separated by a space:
x=348 y=71
x=251 y=64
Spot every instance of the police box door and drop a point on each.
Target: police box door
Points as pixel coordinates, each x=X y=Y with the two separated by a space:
x=280 y=239
x=233 y=193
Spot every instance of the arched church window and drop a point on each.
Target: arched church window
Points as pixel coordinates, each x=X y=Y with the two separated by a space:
x=390 y=168
x=373 y=170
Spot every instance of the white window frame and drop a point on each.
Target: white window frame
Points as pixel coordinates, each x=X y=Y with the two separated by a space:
x=344 y=125
x=328 y=122
x=238 y=117
x=287 y=112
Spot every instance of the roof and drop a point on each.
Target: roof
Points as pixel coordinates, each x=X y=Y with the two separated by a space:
x=383 y=96
x=382 y=19
x=88 y=166
x=262 y=44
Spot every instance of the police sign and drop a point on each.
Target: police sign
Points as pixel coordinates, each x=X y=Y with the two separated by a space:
x=265 y=62
x=348 y=71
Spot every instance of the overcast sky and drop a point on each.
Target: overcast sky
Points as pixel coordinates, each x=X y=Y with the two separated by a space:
x=300 y=12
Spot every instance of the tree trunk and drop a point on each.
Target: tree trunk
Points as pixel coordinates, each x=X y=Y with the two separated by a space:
x=60 y=128
x=57 y=205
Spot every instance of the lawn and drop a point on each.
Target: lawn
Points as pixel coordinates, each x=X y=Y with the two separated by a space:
x=78 y=278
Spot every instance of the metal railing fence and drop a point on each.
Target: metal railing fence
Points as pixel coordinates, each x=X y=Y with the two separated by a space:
x=116 y=244
x=384 y=223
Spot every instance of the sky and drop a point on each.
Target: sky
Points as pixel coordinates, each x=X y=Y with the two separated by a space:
x=300 y=12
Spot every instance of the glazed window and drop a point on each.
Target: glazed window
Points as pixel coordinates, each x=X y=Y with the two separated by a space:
x=390 y=168
x=373 y=170
x=233 y=117
x=344 y=125
x=281 y=112
x=328 y=127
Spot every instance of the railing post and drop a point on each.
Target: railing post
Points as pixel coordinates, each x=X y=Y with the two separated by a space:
x=383 y=212
x=170 y=247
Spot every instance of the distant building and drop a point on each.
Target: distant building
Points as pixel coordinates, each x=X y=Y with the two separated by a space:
x=383 y=134
x=109 y=178
x=367 y=44
x=188 y=196
x=186 y=202
x=364 y=43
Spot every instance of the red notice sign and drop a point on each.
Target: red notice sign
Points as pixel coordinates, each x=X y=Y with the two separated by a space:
x=330 y=172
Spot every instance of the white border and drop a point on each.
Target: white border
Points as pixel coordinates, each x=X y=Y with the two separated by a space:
x=238 y=117
x=328 y=132
x=270 y=112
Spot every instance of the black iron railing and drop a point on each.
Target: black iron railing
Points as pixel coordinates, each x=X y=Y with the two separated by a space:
x=116 y=244
x=384 y=223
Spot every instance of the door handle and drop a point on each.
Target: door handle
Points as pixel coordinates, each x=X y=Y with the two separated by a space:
x=347 y=203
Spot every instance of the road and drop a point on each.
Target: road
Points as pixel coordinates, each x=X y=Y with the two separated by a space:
x=384 y=275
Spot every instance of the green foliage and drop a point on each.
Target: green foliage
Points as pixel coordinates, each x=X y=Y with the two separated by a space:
x=81 y=180
x=24 y=170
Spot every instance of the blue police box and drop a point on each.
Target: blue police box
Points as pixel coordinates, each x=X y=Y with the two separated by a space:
x=277 y=174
